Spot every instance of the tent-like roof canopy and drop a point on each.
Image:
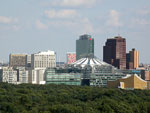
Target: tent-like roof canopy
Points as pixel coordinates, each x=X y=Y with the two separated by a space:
x=92 y=61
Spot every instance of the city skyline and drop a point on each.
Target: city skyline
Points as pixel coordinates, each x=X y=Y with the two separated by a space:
x=45 y=25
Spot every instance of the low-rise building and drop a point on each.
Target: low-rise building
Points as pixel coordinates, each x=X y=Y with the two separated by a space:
x=86 y=71
x=129 y=82
x=60 y=76
x=7 y=74
x=22 y=75
x=145 y=75
x=36 y=76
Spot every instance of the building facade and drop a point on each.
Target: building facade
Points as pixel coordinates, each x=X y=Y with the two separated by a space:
x=84 y=46
x=114 y=52
x=28 y=60
x=17 y=60
x=43 y=60
x=96 y=72
x=71 y=57
x=7 y=74
x=132 y=59
x=145 y=75
x=22 y=75
x=129 y=82
x=36 y=76
x=59 y=76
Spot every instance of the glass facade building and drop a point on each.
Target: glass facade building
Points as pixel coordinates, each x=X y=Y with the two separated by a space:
x=84 y=46
x=86 y=71
x=61 y=76
x=99 y=75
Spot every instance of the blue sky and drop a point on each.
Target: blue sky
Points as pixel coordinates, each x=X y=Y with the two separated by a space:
x=30 y=26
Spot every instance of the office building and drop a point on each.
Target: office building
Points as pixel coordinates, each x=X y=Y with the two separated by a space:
x=7 y=74
x=114 y=52
x=96 y=72
x=17 y=60
x=61 y=76
x=22 y=75
x=28 y=60
x=58 y=64
x=84 y=46
x=132 y=72
x=43 y=60
x=71 y=57
x=145 y=75
x=132 y=59
x=36 y=76
x=86 y=71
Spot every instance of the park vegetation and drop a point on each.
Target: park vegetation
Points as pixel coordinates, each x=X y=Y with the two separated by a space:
x=28 y=98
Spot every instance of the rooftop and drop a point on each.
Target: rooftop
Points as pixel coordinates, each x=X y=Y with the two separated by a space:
x=92 y=61
x=46 y=53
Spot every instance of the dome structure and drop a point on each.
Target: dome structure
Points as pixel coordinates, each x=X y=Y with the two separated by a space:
x=91 y=61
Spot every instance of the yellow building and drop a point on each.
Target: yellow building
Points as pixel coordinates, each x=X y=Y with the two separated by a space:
x=129 y=82
x=133 y=59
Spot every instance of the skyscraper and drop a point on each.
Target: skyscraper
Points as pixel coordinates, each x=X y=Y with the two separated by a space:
x=132 y=59
x=84 y=46
x=114 y=52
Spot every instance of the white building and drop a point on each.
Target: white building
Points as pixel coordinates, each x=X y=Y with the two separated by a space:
x=36 y=76
x=43 y=60
x=7 y=74
x=28 y=60
x=39 y=62
x=22 y=75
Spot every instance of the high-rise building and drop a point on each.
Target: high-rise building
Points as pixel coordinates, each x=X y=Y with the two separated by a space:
x=132 y=59
x=114 y=52
x=71 y=57
x=17 y=60
x=43 y=60
x=84 y=46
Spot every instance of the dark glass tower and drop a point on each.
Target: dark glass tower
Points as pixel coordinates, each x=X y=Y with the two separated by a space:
x=84 y=46
x=114 y=52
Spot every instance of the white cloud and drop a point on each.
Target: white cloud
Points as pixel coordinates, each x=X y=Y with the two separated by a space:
x=66 y=13
x=7 y=20
x=114 y=19
x=40 y=25
x=76 y=25
x=77 y=2
x=68 y=19
x=74 y=3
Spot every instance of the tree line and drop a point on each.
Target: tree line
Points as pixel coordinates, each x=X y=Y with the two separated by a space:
x=29 y=98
